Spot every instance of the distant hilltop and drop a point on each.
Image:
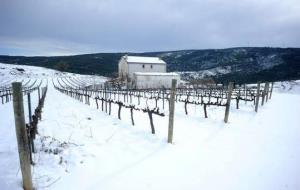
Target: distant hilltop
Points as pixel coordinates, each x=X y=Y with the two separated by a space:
x=242 y=64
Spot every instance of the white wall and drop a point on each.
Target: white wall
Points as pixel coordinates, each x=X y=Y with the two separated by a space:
x=126 y=70
x=154 y=81
x=138 y=67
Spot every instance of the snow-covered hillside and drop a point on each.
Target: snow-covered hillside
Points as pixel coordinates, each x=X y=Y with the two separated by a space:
x=206 y=73
x=10 y=73
x=81 y=147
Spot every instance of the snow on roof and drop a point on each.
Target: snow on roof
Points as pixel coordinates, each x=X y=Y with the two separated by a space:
x=156 y=74
x=139 y=59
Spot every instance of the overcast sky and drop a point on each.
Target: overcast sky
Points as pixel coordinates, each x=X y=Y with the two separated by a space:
x=64 y=27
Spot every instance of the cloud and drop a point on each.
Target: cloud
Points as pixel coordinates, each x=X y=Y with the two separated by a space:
x=47 y=27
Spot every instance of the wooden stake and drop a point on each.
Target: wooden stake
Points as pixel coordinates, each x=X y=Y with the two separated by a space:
x=163 y=99
x=151 y=122
x=185 y=106
x=29 y=106
x=39 y=93
x=257 y=97
x=264 y=94
x=230 y=88
x=205 y=111
x=131 y=113
x=23 y=146
x=271 y=90
x=30 y=141
x=171 y=111
x=267 y=91
x=119 y=110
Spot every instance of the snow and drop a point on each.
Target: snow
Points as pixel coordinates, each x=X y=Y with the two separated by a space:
x=97 y=151
x=9 y=73
x=139 y=59
x=291 y=87
x=207 y=73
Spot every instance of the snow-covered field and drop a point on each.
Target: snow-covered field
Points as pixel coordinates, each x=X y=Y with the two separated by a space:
x=80 y=147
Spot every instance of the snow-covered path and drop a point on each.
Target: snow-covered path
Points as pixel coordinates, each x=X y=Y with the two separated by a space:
x=100 y=147
x=253 y=151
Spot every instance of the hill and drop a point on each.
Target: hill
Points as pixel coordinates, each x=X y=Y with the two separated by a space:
x=244 y=64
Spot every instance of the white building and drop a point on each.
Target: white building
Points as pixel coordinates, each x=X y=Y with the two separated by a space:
x=131 y=64
x=145 y=72
x=153 y=80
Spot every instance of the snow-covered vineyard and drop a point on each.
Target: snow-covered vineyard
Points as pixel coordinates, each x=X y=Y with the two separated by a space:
x=91 y=137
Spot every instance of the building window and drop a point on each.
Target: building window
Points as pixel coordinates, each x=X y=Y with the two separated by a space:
x=151 y=66
x=143 y=66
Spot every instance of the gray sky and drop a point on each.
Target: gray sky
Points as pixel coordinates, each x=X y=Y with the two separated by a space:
x=64 y=27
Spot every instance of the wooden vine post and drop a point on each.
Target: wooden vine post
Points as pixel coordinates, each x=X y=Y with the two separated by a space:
x=263 y=98
x=96 y=99
x=205 y=111
x=150 y=112
x=105 y=97
x=171 y=111
x=185 y=106
x=120 y=104
x=22 y=138
x=230 y=88
x=163 y=98
x=131 y=114
x=109 y=107
x=29 y=107
x=271 y=90
x=39 y=94
x=267 y=91
x=257 y=96
x=30 y=141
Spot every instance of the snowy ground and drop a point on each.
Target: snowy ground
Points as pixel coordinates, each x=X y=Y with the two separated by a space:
x=80 y=147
